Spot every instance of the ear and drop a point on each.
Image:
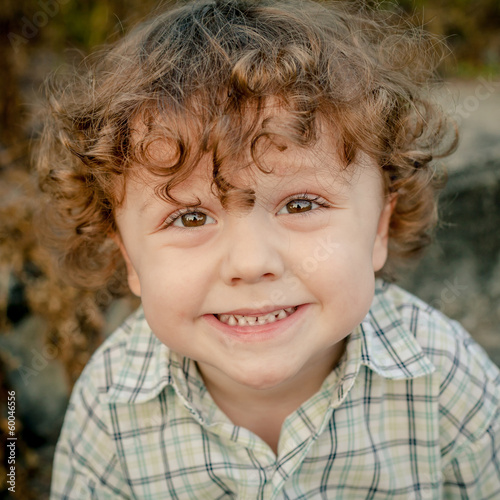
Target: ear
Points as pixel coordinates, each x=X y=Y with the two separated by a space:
x=132 y=276
x=382 y=237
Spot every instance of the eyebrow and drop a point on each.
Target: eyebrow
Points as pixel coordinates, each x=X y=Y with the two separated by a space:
x=288 y=178
x=147 y=204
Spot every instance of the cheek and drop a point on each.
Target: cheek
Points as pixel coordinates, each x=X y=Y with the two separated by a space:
x=168 y=296
x=174 y=290
x=340 y=259
x=169 y=308
x=346 y=279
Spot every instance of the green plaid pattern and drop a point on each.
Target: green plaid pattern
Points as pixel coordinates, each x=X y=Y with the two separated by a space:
x=411 y=412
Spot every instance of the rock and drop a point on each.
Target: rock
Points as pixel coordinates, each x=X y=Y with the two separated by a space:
x=460 y=274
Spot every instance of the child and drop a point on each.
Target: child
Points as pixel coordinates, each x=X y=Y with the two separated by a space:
x=255 y=163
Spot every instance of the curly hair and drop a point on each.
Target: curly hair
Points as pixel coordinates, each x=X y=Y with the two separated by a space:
x=199 y=76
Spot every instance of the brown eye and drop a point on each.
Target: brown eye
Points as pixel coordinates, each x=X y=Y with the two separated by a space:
x=192 y=219
x=298 y=206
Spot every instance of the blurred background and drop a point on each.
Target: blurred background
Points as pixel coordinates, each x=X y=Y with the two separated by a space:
x=48 y=330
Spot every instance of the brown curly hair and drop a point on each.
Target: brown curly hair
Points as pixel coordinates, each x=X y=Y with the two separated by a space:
x=199 y=76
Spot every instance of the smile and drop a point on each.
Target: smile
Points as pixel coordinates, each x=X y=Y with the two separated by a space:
x=252 y=320
x=256 y=326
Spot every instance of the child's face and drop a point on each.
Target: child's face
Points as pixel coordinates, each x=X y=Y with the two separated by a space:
x=306 y=252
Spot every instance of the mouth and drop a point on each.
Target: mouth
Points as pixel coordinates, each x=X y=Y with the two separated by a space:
x=255 y=319
x=256 y=326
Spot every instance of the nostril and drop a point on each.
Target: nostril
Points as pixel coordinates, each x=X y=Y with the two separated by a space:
x=253 y=279
x=269 y=276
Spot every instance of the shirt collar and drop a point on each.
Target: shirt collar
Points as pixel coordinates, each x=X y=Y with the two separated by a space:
x=149 y=366
x=381 y=342
x=389 y=348
x=144 y=369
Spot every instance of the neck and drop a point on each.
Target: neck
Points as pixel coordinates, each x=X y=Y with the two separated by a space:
x=263 y=410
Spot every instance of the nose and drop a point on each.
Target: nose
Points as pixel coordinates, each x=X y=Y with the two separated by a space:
x=253 y=252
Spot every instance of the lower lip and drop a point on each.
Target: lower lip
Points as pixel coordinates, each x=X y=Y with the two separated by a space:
x=257 y=333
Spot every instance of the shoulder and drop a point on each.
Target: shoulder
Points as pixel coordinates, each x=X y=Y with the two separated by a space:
x=85 y=461
x=110 y=357
x=113 y=371
x=130 y=366
x=469 y=382
x=444 y=341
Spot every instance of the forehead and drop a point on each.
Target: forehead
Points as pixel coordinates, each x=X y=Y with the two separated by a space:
x=297 y=177
x=277 y=161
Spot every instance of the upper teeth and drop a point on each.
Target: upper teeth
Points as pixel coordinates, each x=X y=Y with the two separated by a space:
x=240 y=320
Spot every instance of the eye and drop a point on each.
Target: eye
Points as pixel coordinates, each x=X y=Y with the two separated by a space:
x=298 y=206
x=191 y=219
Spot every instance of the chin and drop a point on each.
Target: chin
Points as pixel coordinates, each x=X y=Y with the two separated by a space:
x=262 y=380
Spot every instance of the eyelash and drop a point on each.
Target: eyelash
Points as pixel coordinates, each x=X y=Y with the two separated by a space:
x=322 y=204
x=169 y=221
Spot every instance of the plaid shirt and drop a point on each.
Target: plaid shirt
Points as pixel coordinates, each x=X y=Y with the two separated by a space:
x=411 y=411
